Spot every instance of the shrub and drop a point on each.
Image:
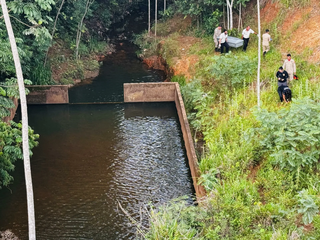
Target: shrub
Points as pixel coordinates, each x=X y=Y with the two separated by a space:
x=307 y=206
x=231 y=70
x=41 y=75
x=179 y=79
x=292 y=136
x=174 y=220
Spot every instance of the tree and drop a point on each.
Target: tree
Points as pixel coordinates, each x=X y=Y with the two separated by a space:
x=149 y=20
x=24 y=113
x=79 y=31
x=156 y=17
x=53 y=30
x=242 y=3
x=229 y=7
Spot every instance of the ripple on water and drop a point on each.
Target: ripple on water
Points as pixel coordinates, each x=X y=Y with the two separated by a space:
x=90 y=158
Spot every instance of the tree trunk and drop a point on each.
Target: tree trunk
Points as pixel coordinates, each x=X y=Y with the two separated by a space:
x=156 y=17
x=149 y=19
x=53 y=30
x=224 y=17
x=239 y=17
x=231 y=18
x=228 y=18
x=79 y=32
x=164 y=6
x=229 y=6
x=25 y=127
x=259 y=55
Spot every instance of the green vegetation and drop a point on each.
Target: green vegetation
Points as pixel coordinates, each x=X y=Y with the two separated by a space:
x=11 y=149
x=10 y=134
x=260 y=168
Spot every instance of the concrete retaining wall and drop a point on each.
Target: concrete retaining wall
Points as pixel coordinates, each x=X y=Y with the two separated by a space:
x=167 y=92
x=50 y=94
x=149 y=92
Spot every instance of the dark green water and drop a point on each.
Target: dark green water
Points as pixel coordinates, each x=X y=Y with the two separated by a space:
x=93 y=157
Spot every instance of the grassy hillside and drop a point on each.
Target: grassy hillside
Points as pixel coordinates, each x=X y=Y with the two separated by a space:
x=260 y=167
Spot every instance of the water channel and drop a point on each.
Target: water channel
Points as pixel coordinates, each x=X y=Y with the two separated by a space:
x=91 y=157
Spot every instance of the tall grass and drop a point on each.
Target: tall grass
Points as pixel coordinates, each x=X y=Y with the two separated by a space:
x=41 y=75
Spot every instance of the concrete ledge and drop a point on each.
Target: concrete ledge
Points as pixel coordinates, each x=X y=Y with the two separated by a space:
x=149 y=92
x=50 y=94
x=168 y=92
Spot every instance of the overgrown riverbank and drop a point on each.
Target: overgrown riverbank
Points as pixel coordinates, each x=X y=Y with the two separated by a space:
x=66 y=69
x=260 y=168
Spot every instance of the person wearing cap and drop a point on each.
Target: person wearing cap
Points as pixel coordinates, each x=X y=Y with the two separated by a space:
x=246 y=36
x=282 y=77
x=217 y=33
x=290 y=66
x=266 y=38
x=223 y=41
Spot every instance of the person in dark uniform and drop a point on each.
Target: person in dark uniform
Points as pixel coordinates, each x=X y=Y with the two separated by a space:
x=282 y=77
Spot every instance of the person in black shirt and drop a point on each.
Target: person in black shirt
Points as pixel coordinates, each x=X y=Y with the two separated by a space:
x=282 y=76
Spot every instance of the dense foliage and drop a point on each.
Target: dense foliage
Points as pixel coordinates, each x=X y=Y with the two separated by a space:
x=208 y=13
x=34 y=22
x=11 y=149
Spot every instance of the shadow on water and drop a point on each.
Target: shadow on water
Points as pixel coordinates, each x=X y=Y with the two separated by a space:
x=92 y=156
x=121 y=67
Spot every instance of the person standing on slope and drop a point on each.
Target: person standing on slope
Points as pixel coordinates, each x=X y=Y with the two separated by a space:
x=290 y=66
x=266 y=38
x=217 y=33
x=246 y=36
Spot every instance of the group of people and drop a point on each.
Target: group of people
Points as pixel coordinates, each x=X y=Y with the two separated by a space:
x=285 y=74
x=221 y=39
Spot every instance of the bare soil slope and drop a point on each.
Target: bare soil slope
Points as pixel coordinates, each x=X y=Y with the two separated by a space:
x=300 y=28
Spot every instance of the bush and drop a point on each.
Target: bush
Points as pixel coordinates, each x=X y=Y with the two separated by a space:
x=291 y=136
x=175 y=220
x=231 y=70
x=179 y=79
x=146 y=43
x=41 y=75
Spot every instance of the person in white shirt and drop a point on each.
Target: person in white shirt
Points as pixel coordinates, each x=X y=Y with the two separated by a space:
x=266 y=38
x=246 y=36
x=290 y=66
x=223 y=41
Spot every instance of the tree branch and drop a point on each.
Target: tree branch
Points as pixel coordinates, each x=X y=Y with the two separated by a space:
x=22 y=22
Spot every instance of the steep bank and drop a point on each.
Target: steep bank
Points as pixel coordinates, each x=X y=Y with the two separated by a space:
x=66 y=70
x=298 y=27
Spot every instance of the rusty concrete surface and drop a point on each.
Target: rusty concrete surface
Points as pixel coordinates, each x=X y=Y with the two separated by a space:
x=149 y=92
x=164 y=92
x=50 y=94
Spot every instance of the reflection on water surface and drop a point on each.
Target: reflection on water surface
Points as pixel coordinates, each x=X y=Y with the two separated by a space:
x=89 y=158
